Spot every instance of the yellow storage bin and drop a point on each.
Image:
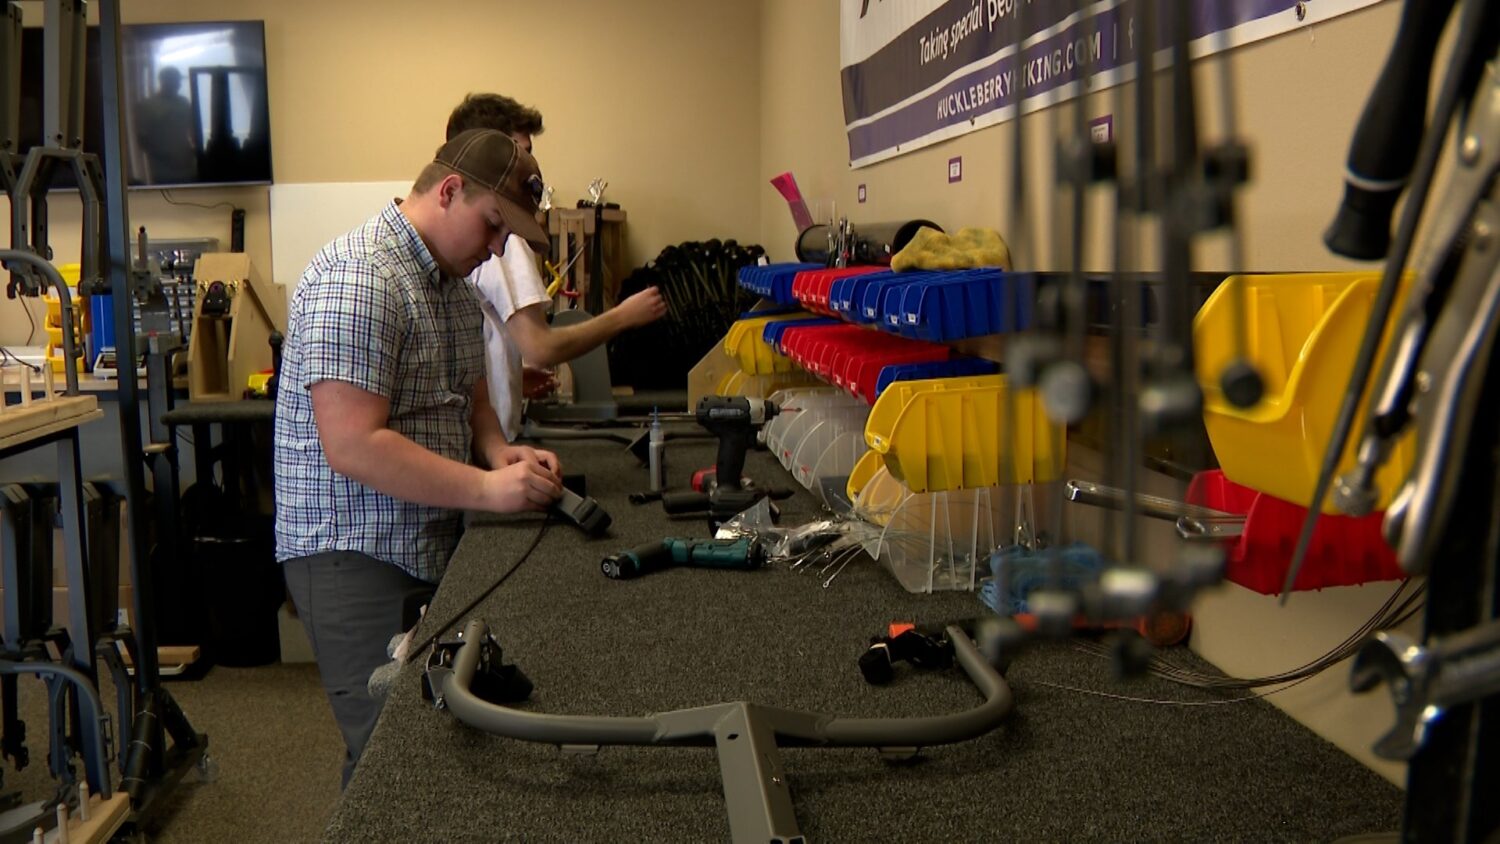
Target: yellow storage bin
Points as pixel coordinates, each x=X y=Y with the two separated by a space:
x=1303 y=331
x=745 y=343
x=947 y=434
x=864 y=471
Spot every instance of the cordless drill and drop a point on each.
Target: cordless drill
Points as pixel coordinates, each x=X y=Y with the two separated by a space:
x=734 y=421
x=741 y=553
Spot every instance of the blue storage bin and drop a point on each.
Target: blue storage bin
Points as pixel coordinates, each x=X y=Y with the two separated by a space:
x=866 y=308
x=951 y=368
x=774 y=281
x=845 y=294
x=944 y=307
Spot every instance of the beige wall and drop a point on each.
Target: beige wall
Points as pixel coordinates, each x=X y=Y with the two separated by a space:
x=658 y=97
x=1299 y=96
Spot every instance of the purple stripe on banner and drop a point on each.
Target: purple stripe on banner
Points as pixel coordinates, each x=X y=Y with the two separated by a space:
x=1094 y=45
x=914 y=60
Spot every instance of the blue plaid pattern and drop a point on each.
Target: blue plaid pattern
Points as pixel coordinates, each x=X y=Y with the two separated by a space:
x=373 y=310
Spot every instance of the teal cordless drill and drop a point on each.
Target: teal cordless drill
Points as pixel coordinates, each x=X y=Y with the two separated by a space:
x=742 y=553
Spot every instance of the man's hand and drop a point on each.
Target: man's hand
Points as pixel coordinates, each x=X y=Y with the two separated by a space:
x=352 y=428
x=536 y=381
x=513 y=454
x=523 y=485
x=642 y=308
x=545 y=345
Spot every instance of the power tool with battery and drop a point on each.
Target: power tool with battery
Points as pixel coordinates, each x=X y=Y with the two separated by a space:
x=734 y=421
x=742 y=553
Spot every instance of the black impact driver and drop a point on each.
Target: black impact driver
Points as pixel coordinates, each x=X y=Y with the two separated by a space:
x=734 y=421
x=740 y=553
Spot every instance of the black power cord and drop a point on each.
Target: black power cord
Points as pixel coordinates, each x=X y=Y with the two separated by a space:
x=428 y=642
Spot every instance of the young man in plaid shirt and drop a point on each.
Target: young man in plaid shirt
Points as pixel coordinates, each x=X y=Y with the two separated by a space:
x=383 y=412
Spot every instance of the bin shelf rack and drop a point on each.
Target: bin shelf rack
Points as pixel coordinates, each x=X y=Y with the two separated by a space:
x=922 y=442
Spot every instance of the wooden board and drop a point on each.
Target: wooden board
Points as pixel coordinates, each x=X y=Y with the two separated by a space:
x=105 y=819
x=226 y=350
x=169 y=655
x=21 y=424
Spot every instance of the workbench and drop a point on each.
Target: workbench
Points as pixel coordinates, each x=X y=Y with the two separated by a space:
x=1067 y=765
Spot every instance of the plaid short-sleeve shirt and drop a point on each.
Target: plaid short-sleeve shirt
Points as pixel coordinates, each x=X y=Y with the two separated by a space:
x=373 y=310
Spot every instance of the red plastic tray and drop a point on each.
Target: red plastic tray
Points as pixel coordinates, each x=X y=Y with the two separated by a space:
x=1345 y=550
x=810 y=287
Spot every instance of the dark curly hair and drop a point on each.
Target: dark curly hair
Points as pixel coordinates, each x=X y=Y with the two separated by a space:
x=494 y=111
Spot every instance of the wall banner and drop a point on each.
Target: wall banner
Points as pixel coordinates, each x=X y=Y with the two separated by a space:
x=915 y=72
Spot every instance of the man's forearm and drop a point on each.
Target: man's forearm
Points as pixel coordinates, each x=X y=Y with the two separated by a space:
x=556 y=345
x=388 y=462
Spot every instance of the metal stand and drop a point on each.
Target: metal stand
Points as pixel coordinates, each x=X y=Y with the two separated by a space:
x=151 y=767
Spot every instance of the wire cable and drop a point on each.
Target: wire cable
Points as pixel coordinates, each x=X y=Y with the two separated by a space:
x=30 y=318
x=7 y=356
x=167 y=195
x=1397 y=609
x=428 y=642
x=1163 y=701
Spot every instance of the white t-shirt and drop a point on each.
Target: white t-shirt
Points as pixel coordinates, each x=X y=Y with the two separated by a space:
x=506 y=284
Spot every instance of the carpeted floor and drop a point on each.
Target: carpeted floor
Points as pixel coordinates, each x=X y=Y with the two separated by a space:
x=275 y=754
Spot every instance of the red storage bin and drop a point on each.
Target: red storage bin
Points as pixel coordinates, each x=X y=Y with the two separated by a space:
x=810 y=287
x=1345 y=551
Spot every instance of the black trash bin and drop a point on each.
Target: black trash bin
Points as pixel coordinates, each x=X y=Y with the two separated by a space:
x=242 y=588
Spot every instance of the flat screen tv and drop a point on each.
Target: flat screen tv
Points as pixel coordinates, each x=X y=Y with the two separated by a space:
x=195 y=105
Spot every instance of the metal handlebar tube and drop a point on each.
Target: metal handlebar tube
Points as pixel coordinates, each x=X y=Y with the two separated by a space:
x=1154 y=506
x=50 y=273
x=747 y=735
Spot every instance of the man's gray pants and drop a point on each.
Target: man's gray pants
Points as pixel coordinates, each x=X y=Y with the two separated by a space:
x=350 y=605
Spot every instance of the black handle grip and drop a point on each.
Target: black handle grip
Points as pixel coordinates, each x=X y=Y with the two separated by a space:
x=730 y=464
x=677 y=503
x=1389 y=132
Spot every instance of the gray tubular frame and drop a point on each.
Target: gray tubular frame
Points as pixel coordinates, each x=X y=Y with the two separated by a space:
x=746 y=734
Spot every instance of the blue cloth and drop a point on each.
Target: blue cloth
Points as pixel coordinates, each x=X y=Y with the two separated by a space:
x=374 y=311
x=1021 y=571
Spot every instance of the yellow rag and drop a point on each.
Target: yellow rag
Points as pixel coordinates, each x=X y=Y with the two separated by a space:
x=931 y=249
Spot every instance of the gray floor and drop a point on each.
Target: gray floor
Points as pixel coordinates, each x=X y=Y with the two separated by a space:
x=276 y=751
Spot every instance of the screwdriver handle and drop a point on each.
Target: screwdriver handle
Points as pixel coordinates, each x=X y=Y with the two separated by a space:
x=1389 y=133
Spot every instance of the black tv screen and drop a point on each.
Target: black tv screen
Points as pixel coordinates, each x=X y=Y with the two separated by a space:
x=195 y=105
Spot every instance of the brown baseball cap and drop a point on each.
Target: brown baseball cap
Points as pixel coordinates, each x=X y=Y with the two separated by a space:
x=494 y=160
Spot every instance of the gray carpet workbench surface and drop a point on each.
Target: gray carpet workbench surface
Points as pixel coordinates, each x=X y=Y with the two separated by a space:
x=1067 y=765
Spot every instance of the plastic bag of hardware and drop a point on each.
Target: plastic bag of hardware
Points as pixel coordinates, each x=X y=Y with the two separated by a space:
x=791 y=543
x=754 y=521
